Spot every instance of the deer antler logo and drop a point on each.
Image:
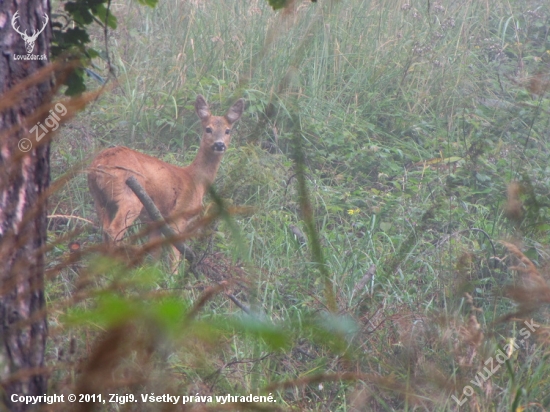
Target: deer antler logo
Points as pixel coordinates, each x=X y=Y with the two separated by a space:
x=29 y=40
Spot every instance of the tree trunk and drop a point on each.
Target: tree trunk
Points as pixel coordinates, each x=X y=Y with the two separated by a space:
x=24 y=178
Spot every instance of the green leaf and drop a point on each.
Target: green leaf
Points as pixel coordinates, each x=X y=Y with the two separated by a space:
x=385 y=226
x=150 y=3
x=171 y=313
x=482 y=177
x=75 y=83
x=110 y=310
x=73 y=37
x=272 y=335
x=92 y=53
x=101 y=12
x=332 y=330
x=277 y=4
x=79 y=12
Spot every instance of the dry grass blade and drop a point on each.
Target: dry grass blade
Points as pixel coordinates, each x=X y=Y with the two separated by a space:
x=534 y=291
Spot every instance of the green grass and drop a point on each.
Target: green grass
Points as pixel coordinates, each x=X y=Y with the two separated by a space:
x=411 y=122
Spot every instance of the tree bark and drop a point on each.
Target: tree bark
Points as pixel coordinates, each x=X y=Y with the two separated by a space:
x=24 y=178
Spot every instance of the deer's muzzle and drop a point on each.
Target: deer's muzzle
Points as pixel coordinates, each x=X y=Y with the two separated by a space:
x=219 y=147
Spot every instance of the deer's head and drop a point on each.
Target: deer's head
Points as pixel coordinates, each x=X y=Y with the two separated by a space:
x=217 y=129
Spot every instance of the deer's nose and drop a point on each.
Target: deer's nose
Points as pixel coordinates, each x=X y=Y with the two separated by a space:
x=219 y=147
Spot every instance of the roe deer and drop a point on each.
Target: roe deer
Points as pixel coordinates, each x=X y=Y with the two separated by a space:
x=176 y=191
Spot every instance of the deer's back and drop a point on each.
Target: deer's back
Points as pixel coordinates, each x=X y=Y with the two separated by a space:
x=165 y=183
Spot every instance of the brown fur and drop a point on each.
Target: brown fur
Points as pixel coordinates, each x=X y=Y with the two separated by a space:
x=176 y=191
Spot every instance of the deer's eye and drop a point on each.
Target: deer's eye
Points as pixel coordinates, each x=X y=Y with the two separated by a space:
x=227 y=131
x=208 y=130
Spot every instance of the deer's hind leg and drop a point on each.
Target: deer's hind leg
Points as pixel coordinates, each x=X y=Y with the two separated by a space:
x=119 y=220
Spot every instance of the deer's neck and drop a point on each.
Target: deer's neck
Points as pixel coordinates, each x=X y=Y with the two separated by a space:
x=205 y=167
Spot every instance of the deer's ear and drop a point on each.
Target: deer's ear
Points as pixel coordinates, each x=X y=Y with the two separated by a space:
x=201 y=107
x=235 y=112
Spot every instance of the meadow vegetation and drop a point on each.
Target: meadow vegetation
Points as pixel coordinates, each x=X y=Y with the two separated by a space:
x=385 y=209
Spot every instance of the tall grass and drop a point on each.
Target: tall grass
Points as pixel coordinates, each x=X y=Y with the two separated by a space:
x=412 y=120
